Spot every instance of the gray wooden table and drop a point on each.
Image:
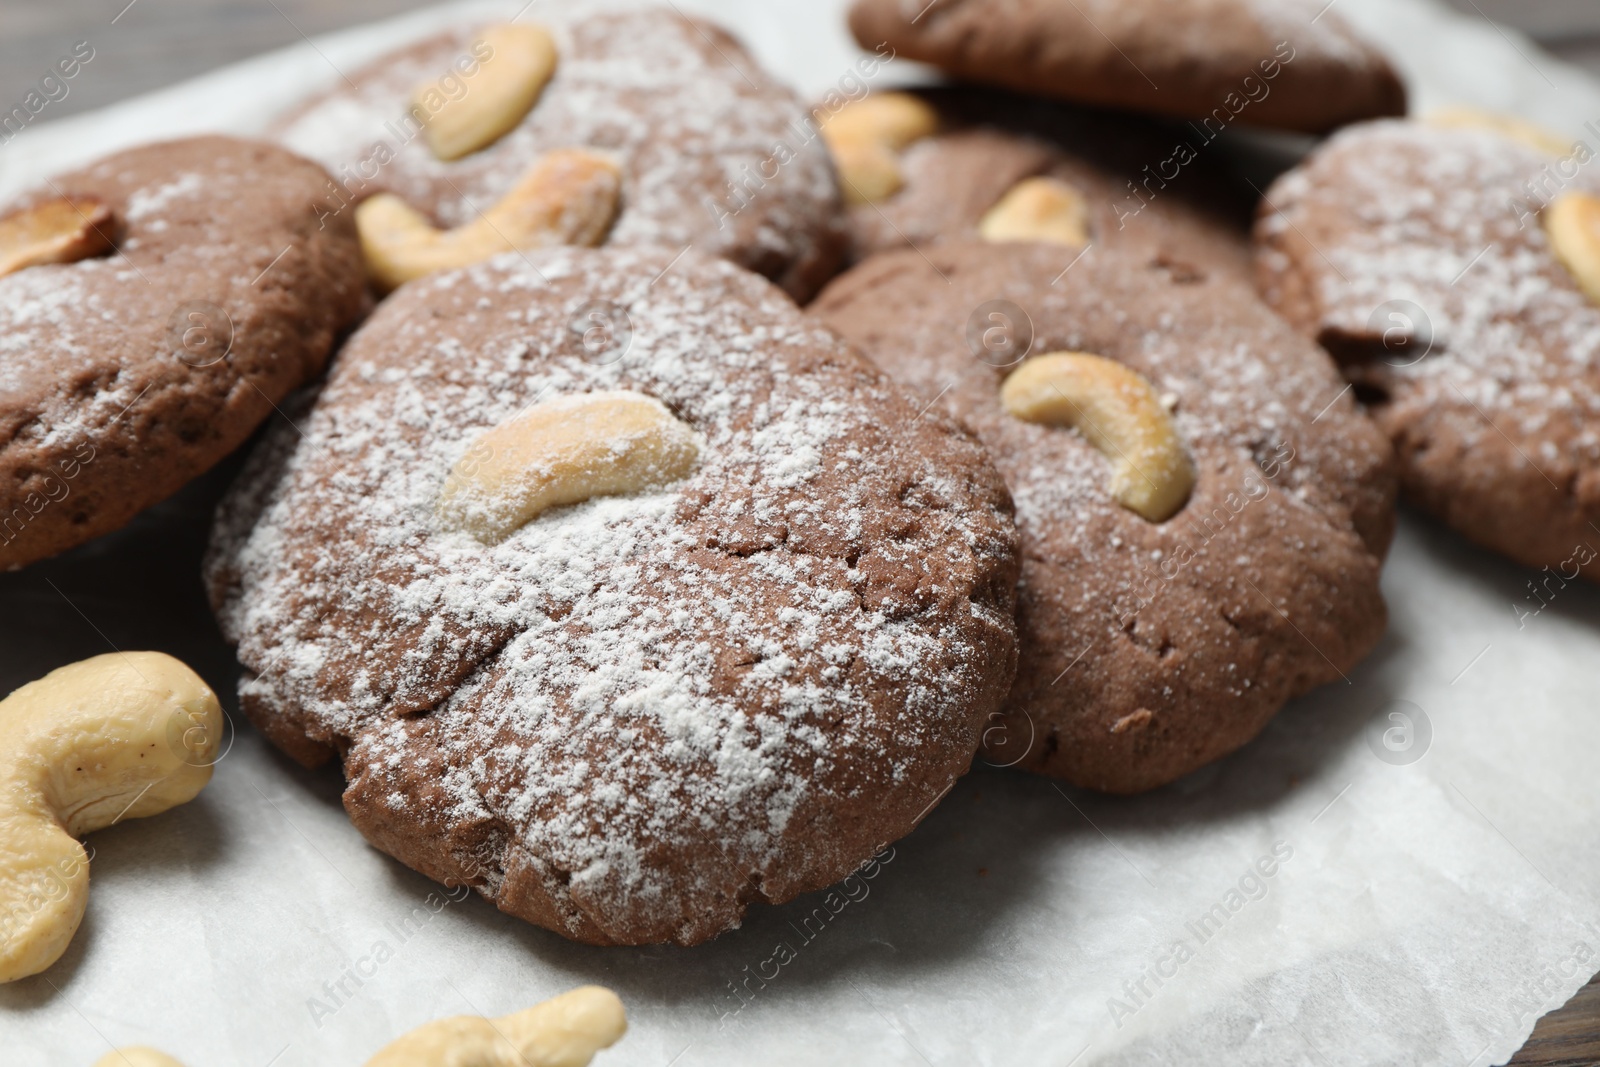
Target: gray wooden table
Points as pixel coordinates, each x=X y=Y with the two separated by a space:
x=147 y=44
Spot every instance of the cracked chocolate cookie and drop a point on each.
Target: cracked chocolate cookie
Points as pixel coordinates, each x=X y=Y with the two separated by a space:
x=1203 y=511
x=153 y=308
x=706 y=148
x=1453 y=273
x=623 y=591
x=1281 y=64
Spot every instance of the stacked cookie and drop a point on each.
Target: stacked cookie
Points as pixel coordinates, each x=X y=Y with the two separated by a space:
x=629 y=593
x=1202 y=509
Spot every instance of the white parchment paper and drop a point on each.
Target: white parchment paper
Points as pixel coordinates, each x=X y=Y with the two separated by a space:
x=1322 y=897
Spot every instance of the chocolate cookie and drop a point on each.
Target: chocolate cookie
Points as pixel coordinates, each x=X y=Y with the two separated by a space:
x=1206 y=544
x=630 y=716
x=153 y=308
x=713 y=151
x=1426 y=260
x=1283 y=64
x=1141 y=185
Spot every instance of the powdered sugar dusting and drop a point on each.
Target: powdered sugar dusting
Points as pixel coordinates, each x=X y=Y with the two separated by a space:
x=699 y=129
x=1447 y=222
x=726 y=659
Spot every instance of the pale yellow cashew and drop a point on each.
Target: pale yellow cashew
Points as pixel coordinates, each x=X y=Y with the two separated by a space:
x=57 y=231
x=569 y=197
x=563 y=1032
x=1572 y=223
x=1047 y=210
x=1119 y=413
x=490 y=102
x=1521 y=130
x=564 y=451
x=866 y=138
x=120 y=736
x=136 y=1056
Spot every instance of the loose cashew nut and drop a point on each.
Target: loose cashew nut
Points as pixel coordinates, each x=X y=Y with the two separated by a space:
x=866 y=138
x=564 y=451
x=1039 y=209
x=57 y=231
x=1572 y=223
x=522 y=59
x=136 y=1056
x=1119 y=413
x=568 y=197
x=120 y=736
x=1528 y=133
x=563 y=1032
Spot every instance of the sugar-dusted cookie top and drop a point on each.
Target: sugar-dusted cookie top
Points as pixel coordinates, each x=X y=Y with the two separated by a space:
x=211 y=291
x=714 y=152
x=1427 y=260
x=1283 y=64
x=640 y=710
x=1203 y=511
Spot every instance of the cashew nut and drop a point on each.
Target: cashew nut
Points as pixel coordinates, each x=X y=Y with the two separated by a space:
x=57 y=231
x=866 y=138
x=1039 y=209
x=522 y=59
x=1120 y=414
x=1573 y=225
x=136 y=1056
x=568 y=197
x=120 y=736
x=563 y=1032
x=1530 y=134
x=564 y=451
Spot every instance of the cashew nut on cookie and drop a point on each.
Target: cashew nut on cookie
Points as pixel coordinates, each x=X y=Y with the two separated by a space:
x=866 y=138
x=56 y=231
x=1572 y=223
x=119 y=736
x=1528 y=133
x=520 y=59
x=1047 y=210
x=1119 y=413
x=563 y=1032
x=569 y=197
x=564 y=451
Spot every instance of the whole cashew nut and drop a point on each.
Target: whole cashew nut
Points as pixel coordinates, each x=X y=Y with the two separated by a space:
x=521 y=61
x=564 y=451
x=866 y=138
x=119 y=736
x=57 y=231
x=136 y=1056
x=1119 y=413
x=1047 y=210
x=1531 y=134
x=569 y=197
x=562 y=1032
x=1572 y=223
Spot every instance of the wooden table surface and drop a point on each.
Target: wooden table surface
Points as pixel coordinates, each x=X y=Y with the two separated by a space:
x=147 y=44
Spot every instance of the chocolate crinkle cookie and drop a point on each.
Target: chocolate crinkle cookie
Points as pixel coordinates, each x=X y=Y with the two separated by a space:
x=1203 y=511
x=623 y=591
x=153 y=308
x=713 y=151
x=1445 y=269
x=1281 y=64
